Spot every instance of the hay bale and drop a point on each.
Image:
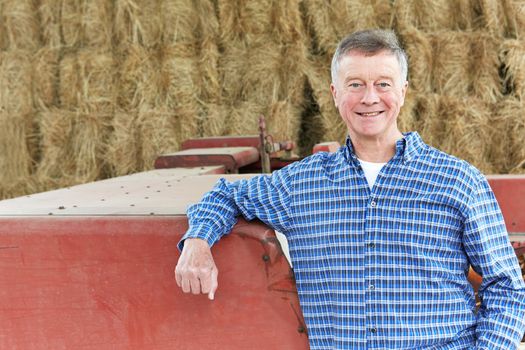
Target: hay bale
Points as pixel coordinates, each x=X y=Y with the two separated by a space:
x=261 y=82
x=432 y=16
x=231 y=16
x=319 y=79
x=192 y=30
x=20 y=187
x=507 y=149
x=4 y=40
x=408 y=119
x=16 y=74
x=462 y=13
x=123 y=149
x=330 y=23
x=180 y=76
x=320 y=21
x=71 y=23
x=16 y=105
x=209 y=54
x=515 y=18
x=49 y=13
x=491 y=16
x=96 y=24
x=138 y=77
x=286 y=23
x=214 y=120
x=45 y=77
x=160 y=133
x=512 y=55
x=431 y=123
x=243 y=118
x=87 y=81
x=20 y=25
x=181 y=22
x=284 y=121
x=15 y=154
x=486 y=82
x=467 y=130
x=57 y=131
x=420 y=55
x=137 y=22
x=232 y=69
x=73 y=145
x=80 y=23
x=384 y=13
x=88 y=144
x=452 y=62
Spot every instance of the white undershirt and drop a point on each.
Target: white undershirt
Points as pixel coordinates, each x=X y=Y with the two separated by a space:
x=371 y=171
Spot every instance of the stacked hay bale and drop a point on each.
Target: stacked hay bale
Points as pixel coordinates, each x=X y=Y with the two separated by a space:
x=92 y=88
x=75 y=125
x=19 y=41
x=456 y=59
x=263 y=65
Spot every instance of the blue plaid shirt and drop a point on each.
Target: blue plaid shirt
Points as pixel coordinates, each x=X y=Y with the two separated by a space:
x=385 y=268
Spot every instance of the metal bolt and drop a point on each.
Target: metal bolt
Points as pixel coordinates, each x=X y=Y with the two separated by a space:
x=301 y=329
x=265 y=257
x=61 y=207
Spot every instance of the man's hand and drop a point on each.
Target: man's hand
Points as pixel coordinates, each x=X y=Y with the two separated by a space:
x=196 y=270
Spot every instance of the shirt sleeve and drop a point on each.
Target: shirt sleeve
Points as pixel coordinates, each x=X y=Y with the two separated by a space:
x=501 y=317
x=265 y=197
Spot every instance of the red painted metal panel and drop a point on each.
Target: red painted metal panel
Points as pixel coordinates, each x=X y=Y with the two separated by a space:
x=231 y=158
x=510 y=193
x=107 y=283
x=222 y=141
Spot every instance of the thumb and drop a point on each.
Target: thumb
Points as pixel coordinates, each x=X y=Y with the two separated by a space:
x=214 y=284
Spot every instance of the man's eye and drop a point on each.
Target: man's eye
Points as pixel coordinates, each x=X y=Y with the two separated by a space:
x=355 y=85
x=384 y=85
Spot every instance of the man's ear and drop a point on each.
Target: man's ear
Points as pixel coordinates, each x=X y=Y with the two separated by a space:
x=404 y=92
x=334 y=93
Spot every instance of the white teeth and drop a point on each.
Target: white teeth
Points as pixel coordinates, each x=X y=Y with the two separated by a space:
x=369 y=114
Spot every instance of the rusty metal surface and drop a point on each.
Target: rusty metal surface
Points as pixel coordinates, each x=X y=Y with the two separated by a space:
x=107 y=283
x=232 y=158
x=155 y=192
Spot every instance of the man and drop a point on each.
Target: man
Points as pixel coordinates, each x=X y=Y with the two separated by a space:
x=382 y=232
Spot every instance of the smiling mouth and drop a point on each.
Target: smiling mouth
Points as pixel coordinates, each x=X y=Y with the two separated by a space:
x=369 y=114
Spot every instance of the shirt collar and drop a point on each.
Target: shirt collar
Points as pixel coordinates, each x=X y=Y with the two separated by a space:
x=407 y=148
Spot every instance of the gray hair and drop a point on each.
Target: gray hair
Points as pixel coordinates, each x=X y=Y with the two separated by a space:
x=371 y=41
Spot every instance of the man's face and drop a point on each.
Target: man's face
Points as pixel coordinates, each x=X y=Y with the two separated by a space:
x=369 y=93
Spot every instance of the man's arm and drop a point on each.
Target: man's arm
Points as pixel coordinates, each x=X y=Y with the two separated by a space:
x=501 y=318
x=262 y=197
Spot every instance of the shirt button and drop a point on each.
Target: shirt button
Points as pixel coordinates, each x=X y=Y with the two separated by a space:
x=373 y=330
x=371 y=245
x=373 y=204
x=371 y=287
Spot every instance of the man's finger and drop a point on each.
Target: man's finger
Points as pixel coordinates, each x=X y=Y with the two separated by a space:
x=178 y=277
x=185 y=285
x=195 y=285
x=205 y=278
x=214 y=283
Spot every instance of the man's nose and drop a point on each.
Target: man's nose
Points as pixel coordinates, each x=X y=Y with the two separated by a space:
x=370 y=96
